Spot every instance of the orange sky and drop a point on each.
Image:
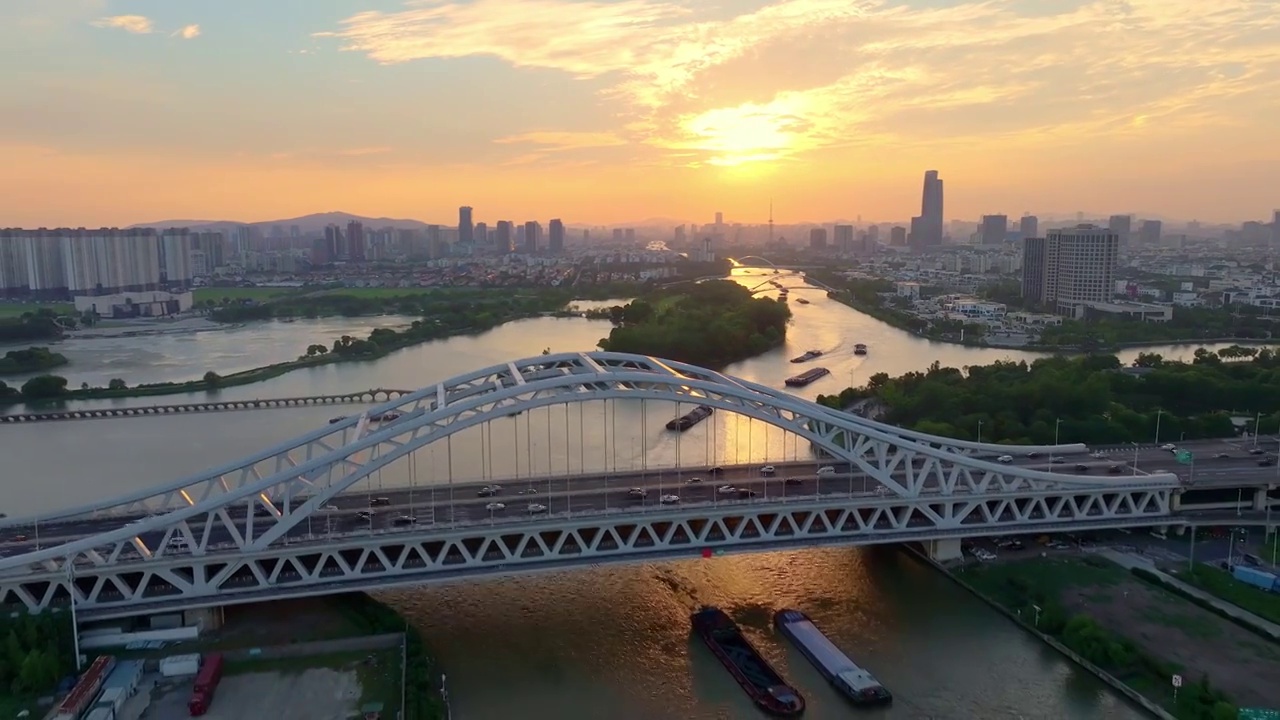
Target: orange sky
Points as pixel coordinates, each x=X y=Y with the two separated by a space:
x=122 y=111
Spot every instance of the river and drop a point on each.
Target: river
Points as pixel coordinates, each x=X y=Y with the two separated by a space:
x=613 y=641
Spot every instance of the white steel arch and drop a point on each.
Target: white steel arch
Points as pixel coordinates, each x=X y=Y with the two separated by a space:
x=248 y=508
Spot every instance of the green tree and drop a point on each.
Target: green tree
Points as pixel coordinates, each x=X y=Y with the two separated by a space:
x=117 y=384
x=212 y=379
x=44 y=387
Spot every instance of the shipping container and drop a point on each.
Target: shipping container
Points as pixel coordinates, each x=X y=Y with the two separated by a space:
x=86 y=689
x=114 y=697
x=205 y=685
x=1254 y=577
x=180 y=665
x=102 y=713
x=126 y=676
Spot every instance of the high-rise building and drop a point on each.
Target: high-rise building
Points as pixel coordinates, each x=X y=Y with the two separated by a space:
x=1029 y=226
x=532 y=236
x=502 y=237
x=354 y=250
x=555 y=237
x=719 y=219
x=898 y=236
x=1033 y=268
x=629 y=235
x=926 y=228
x=1149 y=232
x=213 y=246
x=818 y=239
x=995 y=228
x=466 y=231
x=842 y=238
x=1275 y=228
x=63 y=263
x=1079 y=268
x=481 y=234
x=1122 y=226
x=335 y=242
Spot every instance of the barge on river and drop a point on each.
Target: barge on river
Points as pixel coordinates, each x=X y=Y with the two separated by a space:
x=807 y=356
x=806 y=377
x=691 y=418
x=845 y=676
x=757 y=677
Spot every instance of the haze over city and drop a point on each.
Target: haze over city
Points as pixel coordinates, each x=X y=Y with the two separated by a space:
x=125 y=111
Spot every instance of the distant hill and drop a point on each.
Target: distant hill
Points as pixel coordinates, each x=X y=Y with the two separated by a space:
x=307 y=223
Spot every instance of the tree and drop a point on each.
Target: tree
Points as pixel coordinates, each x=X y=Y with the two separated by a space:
x=212 y=379
x=44 y=387
x=117 y=384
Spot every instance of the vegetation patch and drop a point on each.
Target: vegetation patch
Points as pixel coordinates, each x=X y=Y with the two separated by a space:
x=711 y=324
x=9 y=310
x=1137 y=632
x=423 y=700
x=1220 y=584
x=36 y=652
x=33 y=359
x=1094 y=397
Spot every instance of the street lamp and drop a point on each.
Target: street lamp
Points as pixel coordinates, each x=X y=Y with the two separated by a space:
x=1159 y=414
x=979 y=432
x=1057 y=428
x=1036 y=623
x=75 y=626
x=1135 y=457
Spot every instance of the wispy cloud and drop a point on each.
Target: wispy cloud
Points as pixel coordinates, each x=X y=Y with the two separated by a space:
x=561 y=140
x=188 y=32
x=364 y=151
x=137 y=24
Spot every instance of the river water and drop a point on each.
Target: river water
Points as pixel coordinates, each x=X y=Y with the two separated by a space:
x=608 y=642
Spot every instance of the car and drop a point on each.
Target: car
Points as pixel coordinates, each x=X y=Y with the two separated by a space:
x=1081 y=467
x=1266 y=462
x=178 y=541
x=1222 y=456
x=1056 y=461
x=366 y=515
x=529 y=491
x=375 y=502
x=1006 y=459
x=1098 y=455
x=769 y=470
x=1169 y=446
x=747 y=493
x=21 y=538
x=826 y=470
x=1256 y=451
x=405 y=520
x=535 y=508
x=1115 y=469
x=637 y=492
x=693 y=480
x=489 y=491
x=330 y=508
x=495 y=507
x=726 y=490
x=793 y=481
x=669 y=499
x=716 y=470
x=1033 y=454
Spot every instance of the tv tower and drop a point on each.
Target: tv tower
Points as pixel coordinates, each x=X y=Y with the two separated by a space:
x=770 y=239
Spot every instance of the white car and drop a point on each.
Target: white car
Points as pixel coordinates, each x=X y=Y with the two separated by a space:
x=529 y=491
x=495 y=507
x=767 y=470
x=535 y=508
x=1006 y=459
x=826 y=470
x=727 y=490
x=489 y=490
x=330 y=508
x=692 y=480
x=669 y=499
x=1169 y=446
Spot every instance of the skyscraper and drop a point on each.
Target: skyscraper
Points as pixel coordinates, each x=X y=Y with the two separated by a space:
x=532 y=233
x=926 y=229
x=502 y=239
x=466 y=231
x=1029 y=226
x=1149 y=232
x=842 y=238
x=1122 y=226
x=355 y=241
x=481 y=234
x=994 y=229
x=1033 y=268
x=898 y=236
x=818 y=239
x=1275 y=228
x=555 y=237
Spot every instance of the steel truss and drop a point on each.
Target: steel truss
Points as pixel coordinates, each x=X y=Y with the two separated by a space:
x=325 y=566
x=249 y=508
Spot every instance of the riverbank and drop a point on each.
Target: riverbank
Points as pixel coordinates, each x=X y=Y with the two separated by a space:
x=1130 y=632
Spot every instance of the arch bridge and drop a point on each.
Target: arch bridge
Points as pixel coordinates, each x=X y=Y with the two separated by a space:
x=244 y=532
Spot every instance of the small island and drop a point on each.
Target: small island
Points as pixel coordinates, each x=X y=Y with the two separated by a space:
x=33 y=359
x=711 y=324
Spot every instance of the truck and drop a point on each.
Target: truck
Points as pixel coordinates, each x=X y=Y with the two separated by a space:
x=1255 y=577
x=206 y=683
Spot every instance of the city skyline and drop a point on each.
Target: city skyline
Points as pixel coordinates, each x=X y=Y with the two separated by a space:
x=634 y=109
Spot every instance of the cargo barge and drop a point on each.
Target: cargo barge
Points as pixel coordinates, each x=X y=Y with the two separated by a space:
x=855 y=683
x=806 y=377
x=691 y=418
x=807 y=356
x=757 y=678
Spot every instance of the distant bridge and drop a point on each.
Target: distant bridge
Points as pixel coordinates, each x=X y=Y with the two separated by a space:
x=362 y=397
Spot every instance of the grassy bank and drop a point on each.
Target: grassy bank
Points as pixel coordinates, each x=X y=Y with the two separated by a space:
x=1220 y=584
x=423 y=699
x=1140 y=634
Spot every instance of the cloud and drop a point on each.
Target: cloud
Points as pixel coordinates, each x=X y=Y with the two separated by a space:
x=137 y=24
x=561 y=140
x=188 y=32
x=364 y=151
x=706 y=85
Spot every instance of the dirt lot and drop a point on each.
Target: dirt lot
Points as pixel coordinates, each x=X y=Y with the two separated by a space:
x=319 y=694
x=1168 y=627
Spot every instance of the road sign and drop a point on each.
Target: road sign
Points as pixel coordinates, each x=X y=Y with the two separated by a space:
x=1258 y=714
x=1177 y=681
x=1185 y=457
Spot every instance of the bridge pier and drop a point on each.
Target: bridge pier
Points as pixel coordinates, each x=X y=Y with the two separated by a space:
x=944 y=550
x=1175 y=502
x=1260 y=499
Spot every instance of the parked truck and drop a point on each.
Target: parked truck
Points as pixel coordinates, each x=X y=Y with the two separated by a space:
x=1255 y=577
x=206 y=683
